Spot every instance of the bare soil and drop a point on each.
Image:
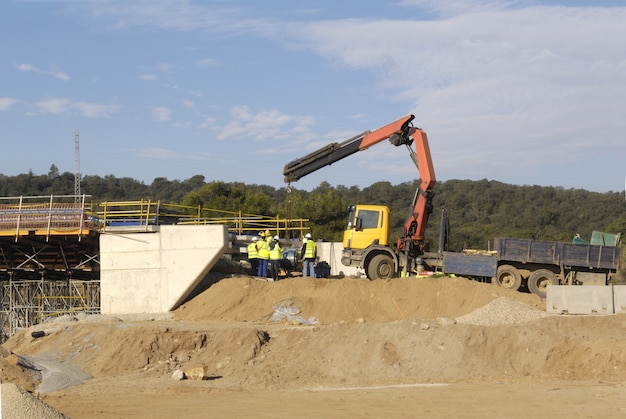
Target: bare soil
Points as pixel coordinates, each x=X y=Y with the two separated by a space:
x=413 y=347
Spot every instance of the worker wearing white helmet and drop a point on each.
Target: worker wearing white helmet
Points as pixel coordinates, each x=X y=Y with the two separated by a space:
x=308 y=253
x=275 y=256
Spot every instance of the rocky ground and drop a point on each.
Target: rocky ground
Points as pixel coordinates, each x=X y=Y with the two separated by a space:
x=436 y=347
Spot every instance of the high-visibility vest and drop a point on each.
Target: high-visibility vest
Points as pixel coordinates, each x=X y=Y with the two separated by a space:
x=275 y=252
x=252 y=252
x=311 y=250
x=263 y=249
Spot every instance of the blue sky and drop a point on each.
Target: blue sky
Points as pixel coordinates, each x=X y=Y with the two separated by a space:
x=523 y=92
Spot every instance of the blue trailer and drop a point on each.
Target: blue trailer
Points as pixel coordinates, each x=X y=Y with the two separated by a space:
x=537 y=264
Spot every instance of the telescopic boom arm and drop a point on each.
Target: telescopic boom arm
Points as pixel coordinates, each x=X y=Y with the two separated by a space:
x=398 y=132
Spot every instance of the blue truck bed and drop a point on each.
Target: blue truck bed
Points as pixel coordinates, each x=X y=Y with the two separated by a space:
x=527 y=251
x=557 y=253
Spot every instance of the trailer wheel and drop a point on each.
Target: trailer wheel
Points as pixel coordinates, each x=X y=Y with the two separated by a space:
x=539 y=280
x=508 y=277
x=381 y=267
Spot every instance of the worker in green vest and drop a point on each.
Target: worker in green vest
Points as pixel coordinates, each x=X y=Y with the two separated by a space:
x=253 y=256
x=275 y=256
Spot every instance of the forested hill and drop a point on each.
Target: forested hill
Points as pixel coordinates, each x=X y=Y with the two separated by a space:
x=478 y=211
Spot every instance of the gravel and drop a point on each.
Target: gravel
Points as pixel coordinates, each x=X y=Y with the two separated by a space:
x=502 y=311
x=20 y=404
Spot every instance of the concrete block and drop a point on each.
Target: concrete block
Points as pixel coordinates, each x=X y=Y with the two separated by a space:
x=619 y=298
x=330 y=252
x=579 y=299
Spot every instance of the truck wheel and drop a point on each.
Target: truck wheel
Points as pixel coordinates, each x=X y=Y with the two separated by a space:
x=508 y=277
x=381 y=267
x=539 y=280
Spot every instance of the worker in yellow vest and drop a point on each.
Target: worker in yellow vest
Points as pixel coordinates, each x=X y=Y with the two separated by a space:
x=263 y=252
x=253 y=256
x=308 y=255
x=275 y=256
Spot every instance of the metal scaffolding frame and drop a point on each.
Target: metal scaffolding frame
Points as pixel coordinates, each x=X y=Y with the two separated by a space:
x=49 y=260
x=50 y=256
x=24 y=303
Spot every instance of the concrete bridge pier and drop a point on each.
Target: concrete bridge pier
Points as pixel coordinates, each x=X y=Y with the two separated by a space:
x=155 y=272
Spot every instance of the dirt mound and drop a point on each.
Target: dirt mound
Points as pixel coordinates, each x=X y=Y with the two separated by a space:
x=331 y=300
x=366 y=334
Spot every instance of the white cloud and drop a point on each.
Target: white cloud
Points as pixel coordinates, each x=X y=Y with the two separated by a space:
x=54 y=105
x=6 y=103
x=262 y=125
x=148 y=77
x=457 y=7
x=176 y=15
x=207 y=63
x=25 y=67
x=61 y=75
x=95 y=110
x=65 y=105
x=162 y=113
x=54 y=71
x=167 y=154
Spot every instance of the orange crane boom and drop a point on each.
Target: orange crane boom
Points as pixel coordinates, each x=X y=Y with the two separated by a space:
x=400 y=132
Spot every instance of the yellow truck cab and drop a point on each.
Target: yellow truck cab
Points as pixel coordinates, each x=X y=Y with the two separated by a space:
x=366 y=241
x=367 y=224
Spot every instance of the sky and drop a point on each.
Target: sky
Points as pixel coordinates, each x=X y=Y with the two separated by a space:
x=525 y=92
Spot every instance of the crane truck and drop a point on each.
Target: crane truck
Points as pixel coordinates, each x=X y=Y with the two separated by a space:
x=514 y=263
x=366 y=241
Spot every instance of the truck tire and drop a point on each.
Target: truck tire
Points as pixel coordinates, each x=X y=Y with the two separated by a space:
x=539 y=280
x=381 y=267
x=507 y=277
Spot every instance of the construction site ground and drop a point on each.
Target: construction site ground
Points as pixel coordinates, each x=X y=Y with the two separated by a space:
x=335 y=347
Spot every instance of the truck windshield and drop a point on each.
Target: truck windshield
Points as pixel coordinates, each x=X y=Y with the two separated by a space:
x=351 y=220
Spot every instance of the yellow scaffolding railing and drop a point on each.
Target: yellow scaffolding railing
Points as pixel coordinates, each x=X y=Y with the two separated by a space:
x=68 y=214
x=145 y=213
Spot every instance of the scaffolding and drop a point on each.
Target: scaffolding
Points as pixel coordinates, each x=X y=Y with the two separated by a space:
x=50 y=256
x=28 y=302
x=49 y=260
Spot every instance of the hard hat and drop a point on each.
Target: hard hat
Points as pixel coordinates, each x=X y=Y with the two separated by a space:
x=276 y=238
x=261 y=234
x=307 y=235
x=255 y=239
x=267 y=233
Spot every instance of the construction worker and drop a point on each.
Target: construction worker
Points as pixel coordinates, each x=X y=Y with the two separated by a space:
x=263 y=252
x=275 y=255
x=253 y=256
x=308 y=253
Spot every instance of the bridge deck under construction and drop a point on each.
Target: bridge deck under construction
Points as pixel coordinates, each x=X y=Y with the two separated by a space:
x=49 y=249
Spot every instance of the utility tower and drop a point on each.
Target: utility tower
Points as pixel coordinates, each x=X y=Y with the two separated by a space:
x=76 y=166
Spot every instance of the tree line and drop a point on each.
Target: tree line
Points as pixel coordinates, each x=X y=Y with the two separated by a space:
x=479 y=211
